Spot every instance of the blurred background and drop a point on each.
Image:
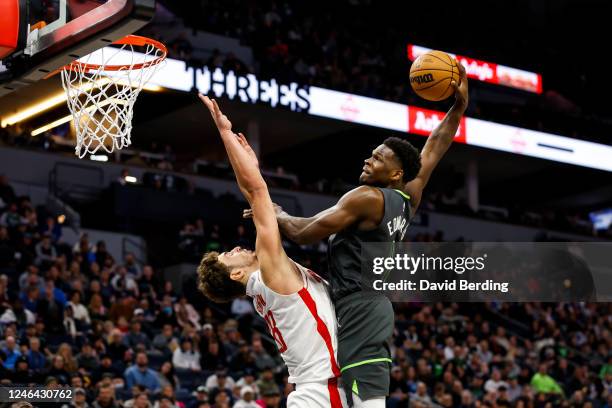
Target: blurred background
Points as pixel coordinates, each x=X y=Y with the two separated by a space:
x=98 y=256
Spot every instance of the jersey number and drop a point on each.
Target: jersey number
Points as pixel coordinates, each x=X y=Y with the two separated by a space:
x=280 y=342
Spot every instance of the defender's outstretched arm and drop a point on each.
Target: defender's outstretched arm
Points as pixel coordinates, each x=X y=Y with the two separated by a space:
x=276 y=268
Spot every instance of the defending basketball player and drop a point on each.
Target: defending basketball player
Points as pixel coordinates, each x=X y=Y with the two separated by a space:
x=392 y=181
x=293 y=300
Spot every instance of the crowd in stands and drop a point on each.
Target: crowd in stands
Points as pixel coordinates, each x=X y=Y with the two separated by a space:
x=115 y=330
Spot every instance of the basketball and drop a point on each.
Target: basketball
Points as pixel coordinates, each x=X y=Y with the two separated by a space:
x=431 y=75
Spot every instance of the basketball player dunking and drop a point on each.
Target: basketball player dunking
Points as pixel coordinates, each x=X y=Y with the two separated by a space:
x=392 y=181
x=293 y=300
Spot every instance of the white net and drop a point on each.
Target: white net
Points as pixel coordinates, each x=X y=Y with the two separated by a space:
x=101 y=98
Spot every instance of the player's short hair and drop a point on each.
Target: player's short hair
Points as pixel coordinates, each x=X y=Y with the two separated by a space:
x=408 y=155
x=215 y=282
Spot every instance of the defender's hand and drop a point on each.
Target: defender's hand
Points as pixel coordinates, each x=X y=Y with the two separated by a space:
x=248 y=213
x=225 y=127
x=222 y=122
x=247 y=148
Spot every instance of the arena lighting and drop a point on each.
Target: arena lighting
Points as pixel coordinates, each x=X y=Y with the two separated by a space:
x=130 y=179
x=34 y=110
x=57 y=99
x=51 y=125
x=99 y=158
x=490 y=72
x=601 y=219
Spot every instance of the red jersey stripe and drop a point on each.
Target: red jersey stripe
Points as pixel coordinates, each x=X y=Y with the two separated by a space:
x=321 y=328
x=334 y=395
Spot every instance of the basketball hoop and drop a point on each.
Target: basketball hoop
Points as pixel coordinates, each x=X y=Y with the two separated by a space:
x=101 y=89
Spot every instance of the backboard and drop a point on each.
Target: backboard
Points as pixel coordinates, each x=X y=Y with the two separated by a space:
x=40 y=36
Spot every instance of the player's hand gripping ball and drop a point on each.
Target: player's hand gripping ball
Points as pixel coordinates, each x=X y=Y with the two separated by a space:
x=431 y=75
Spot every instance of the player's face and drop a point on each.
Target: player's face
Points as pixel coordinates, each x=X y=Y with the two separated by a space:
x=238 y=258
x=379 y=168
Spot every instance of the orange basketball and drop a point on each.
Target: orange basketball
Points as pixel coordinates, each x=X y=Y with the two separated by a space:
x=431 y=75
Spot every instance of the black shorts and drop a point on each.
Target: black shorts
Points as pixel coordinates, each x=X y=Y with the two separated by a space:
x=365 y=327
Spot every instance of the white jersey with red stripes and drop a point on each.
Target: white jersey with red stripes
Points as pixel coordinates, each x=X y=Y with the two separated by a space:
x=303 y=325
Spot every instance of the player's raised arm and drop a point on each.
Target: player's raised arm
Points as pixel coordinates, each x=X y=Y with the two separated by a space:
x=363 y=204
x=440 y=140
x=276 y=269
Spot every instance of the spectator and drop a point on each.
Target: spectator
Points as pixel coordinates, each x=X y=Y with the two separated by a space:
x=140 y=373
x=148 y=283
x=17 y=314
x=84 y=248
x=57 y=293
x=116 y=348
x=51 y=310
x=165 y=341
x=132 y=267
x=185 y=357
x=243 y=359
x=262 y=357
x=87 y=358
x=266 y=380
x=69 y=322
x=105 y=398
x=81 y=314
x=7 y=193
x=140 y=400
x=97 y=310
x=167 y=376
x=186 y=315
x=102 y=256
x=248 y=379
x=52 y=229
x=36 y=360
x=11 y=218
x=544 y=383
x=495 y=382
x=80 y=399
x=70 y=363
x=420 y=397
x=213 y=357
x=7 y=251
x=200 y=397
x=11 y=353
x=398 y=388
x=218 y=382
x=166 y=314
x=247 y=398
x=222 y=399
x=136 y=337
x=58 y=370
x=23 y=374
x=242 y=306
x=107 y=367
x=271 y=396
x=122 y=282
